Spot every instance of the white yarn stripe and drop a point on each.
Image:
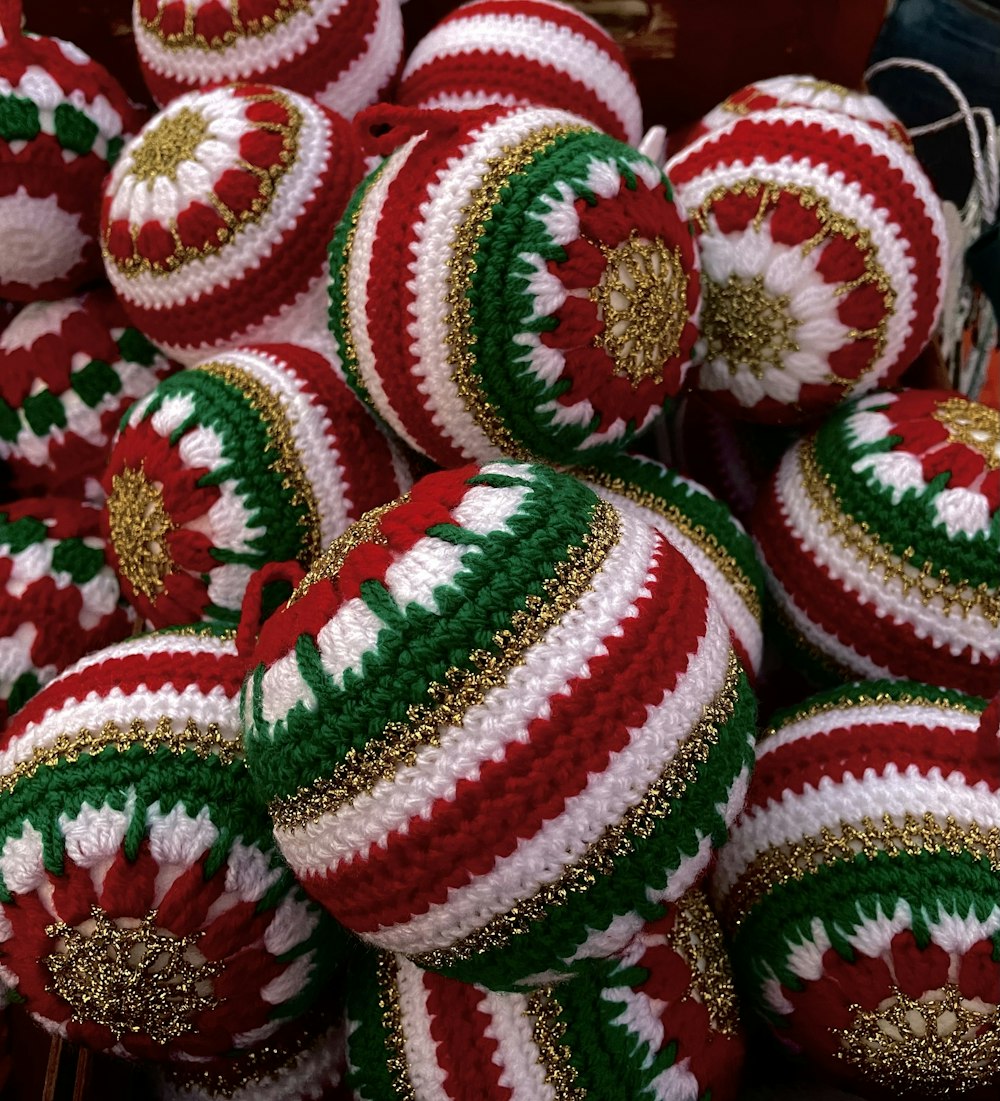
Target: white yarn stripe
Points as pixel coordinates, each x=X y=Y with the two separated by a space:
x=153 y=644
x=295 y=920
x=885 y=595
x=638 y=1013
x=564 y=840
x=957 y=933
x=502 y=719
x=676 y=1083
x=22 y=863
x=849 y=801
x=375 y=65
x=512 y=1029
x=555 y=47
x=419 y=1047
x=873 y=936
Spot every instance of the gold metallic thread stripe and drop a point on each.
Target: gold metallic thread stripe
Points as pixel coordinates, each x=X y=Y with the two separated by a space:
x=617 y=840
x=397 y=747
x=392 y=1026
x=696 y=936
x=549 y=1033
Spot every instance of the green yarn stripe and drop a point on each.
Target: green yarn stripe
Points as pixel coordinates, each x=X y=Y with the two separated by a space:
x=73 y=129
x=82 y=562
x=674 y=838
x=370 y=1043
x=94 y=382
x=18 y=535
x=19 y=119
x=43 y=412
x=419 y=646
x=133 y=347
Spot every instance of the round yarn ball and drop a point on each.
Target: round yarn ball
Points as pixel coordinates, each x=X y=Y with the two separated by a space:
x=824 y=260
x=862 y=891
x=216 y=218
x=260 y=455
x=524 y=53
x=342 y=53
x=63 y=119
x=499 y=725
x=514 y=282
x=663 y=1026
x=59 y=598
x=880 y=539
x=702 y=529
x=69 y=370
x=144 y=909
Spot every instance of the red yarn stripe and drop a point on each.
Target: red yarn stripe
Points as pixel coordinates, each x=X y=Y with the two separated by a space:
x=514 y=797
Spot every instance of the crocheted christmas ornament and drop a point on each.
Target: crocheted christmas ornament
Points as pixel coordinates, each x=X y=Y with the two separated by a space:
x=824 y=258
x=216 y=218
x=63 y=119
x=536 y=295
x=498 y=725
x=879 y=536
x=68 y=372
x=703 y=530
x=59 y=599
x=144 y=909
x=663 y=1026
x=524 y=53
x=260 y=455
x=342 y=53
x=862 y=889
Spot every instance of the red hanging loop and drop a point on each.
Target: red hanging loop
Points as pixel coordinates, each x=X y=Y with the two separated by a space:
x=250 y=616
x=10 y=20
x=384 y=127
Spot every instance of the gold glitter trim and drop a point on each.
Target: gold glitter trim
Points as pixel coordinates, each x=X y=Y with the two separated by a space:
x=67 y=748
x=975 y=425
x=637 y=823
x=255 y=27
x=549 y=1034
x=286 y=461
x=832 y=224
x=139 y=524
x=930 y=584
x=392 y=1026
x=132 y=979
x=170 y=143
x=696 y=936
x=747 y=326
x=781 y=864
x=642 y=299
x=350 y=350
x=940 y=1043
x=380 y=759
x=461 y=339
x=705 y=540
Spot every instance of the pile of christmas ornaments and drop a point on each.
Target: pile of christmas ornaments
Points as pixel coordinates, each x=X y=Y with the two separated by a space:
x=380 y=716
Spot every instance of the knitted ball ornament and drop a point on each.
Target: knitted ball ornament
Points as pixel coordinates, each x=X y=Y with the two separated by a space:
x=704 y=531
x=663 y=1027
x=144 y=909
x=63 y=119
x=341 y=53
x=59 y=599
x=880 y=539
x=217 y=216
x=499 y=725
x=824 y=257
x=862 y=887
x=260 y=455
x=68 y=372
x=524 y=53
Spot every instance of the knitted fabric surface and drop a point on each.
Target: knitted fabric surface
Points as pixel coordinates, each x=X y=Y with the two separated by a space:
x=514 y=282
x=661 y=1027
x=342 y=53
x=703 y=530
x=862 y=887
x=499 y=725
x=68 y=372
x=59 y=599
x=217 y=216
x=880 y=539
x=63 y=119
x=144 y=909
x=824 y=259
x=260 y=455
x=524 y=53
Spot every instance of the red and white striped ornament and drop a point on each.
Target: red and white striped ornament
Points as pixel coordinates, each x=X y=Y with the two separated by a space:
x=824 y=260
x=217 y=216
x=342 y=53
x=524 y=53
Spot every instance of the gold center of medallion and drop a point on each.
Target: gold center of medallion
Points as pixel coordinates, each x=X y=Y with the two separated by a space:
x=166 y=147
x=642 y=300
x=746 y=325
x=977 y=426
x=139 y=525
x=130 y=976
